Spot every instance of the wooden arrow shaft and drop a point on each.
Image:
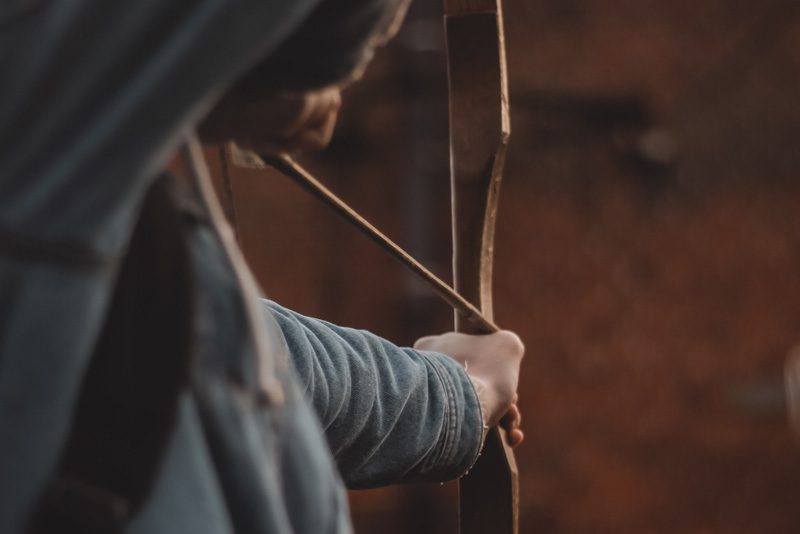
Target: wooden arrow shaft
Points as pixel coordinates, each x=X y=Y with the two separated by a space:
x=466 y=310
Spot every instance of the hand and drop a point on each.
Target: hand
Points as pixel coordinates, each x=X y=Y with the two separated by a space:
x=276 y=122
x=492 y=363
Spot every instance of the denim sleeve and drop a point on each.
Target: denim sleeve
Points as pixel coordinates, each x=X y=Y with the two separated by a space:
x=390 y=414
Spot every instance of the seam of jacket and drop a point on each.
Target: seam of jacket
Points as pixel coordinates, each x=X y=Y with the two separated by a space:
x=446 y=451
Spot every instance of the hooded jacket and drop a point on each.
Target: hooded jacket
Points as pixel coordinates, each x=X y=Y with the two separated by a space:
x=95 y=96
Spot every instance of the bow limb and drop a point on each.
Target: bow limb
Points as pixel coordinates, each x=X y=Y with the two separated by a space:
x=479 y=132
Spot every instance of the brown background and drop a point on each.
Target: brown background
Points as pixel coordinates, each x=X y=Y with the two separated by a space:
x=648 y=254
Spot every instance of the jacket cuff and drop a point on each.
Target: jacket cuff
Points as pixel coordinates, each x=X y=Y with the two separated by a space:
x=462 y=433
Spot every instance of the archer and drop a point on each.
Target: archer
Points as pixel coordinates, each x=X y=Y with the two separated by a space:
x=145 y=388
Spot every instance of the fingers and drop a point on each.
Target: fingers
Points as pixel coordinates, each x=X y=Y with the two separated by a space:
x=314 y=125
x=512 y=419
x=511 y=422
x=513 y=341
x=515 y=438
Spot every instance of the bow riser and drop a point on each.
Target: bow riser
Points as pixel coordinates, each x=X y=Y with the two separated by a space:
x=479 y=133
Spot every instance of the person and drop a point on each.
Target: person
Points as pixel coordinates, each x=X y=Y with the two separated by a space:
x=142 y=386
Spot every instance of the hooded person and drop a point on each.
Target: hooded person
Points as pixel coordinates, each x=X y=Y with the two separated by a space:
x=142 y=387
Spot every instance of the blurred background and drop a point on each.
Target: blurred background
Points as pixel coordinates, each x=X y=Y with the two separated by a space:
x=648 y=253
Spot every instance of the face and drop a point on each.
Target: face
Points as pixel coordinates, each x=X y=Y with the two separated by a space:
x=275 y=123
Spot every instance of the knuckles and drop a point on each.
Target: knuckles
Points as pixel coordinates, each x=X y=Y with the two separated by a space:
x=511 y=343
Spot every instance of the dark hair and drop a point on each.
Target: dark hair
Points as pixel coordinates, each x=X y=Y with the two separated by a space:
x=328 y=48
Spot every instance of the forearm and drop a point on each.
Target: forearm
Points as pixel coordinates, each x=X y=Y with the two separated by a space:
x=390 y=414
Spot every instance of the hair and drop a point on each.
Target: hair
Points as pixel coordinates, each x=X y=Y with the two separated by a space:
x=332 y=47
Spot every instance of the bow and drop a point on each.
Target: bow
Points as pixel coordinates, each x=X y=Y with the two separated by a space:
x=479 y=132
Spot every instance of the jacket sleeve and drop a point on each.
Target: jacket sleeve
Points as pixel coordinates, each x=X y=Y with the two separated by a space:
x=390 y=414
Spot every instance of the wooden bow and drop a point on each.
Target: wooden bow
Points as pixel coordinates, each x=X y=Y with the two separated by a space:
x=479 y=133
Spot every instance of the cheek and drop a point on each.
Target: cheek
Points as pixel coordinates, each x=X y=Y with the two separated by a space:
x=236 y=117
